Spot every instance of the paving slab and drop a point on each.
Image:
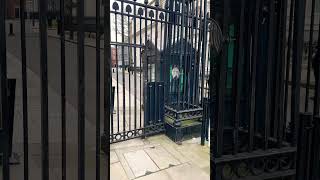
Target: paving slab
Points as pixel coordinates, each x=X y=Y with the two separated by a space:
x=195 y=155
x=187 y=172
x=117 y=172
x=121 y=150
x=127 y=144
x=168 y=145
x=161 y=175
x=161 y=157
x=140 y=163
x=113 y=157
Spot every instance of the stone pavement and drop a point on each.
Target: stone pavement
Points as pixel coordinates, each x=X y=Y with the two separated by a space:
x=158 y=158
x=54 y=131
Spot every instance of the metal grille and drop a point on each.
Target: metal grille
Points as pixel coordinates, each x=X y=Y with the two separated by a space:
x=262 y=86
x=159 y=54
x=154 y=62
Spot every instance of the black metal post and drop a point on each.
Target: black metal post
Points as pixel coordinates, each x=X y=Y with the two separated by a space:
x=310 y=54
x=44 y=89
x=63 y=91
x=98 y=25
x=299 y=19
x=135 y=64
x=282 y=110
x=288 y=60
x=24 y=91
x=269 y=73
x=3 y=89
x=304 y=147
x=315 y=150
x=107 y=79
x=81 y=91
x=252 y=98
x=239 y=81
x=221 y=86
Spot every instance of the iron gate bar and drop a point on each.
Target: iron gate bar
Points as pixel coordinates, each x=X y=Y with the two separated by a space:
x=204 y=51
x=24 y=91
x=254 y=59
x=303 y=154
x=117 y=71
x=220 y=105
x=81 y=91
x=283 y=24
x=98 y=74
x=156 y=55
x=278 y=72
x=163 y=36
x=175 y=21
x=167 y=50
x=317 y=89
x=288 y=54
x=140 y=59
x=315 y=155
x=43 y=10
x=239 y=82
x=128 y=10
x=197 y=55
x=297 y=48
x=107 y=80
x=199 y=63
x=135 y=67
x=180 y=54
x=3 y=78
x=310 y=53
x=269 y=75
x=123 y=71
x=192 y=32
x=162 y=46
x=145 y=57
x=188 y=60
x=63 y=91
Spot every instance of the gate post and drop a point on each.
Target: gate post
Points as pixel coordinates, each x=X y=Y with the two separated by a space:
x=304 y=146
x=315 y=150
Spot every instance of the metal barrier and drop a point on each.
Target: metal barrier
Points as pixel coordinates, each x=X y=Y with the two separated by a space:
x=147 y=38
x=259 y=83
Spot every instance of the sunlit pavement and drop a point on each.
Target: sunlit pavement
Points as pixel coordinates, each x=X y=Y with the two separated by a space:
x=158 y=158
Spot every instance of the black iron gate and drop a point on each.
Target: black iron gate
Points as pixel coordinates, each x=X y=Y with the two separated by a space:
x=158 y=56
x=260 y=83
x=154 y=70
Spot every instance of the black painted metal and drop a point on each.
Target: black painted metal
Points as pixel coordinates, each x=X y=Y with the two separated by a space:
x=243 y=142
x=153 y=53
x=43 y=9
x=107 y=84
x=315 y=149
x=81 y=91
x=98 y=64
x=4 y=149
x=63 y=91
x=297 y=48
x=304 y=150
x=24 y=92
x=310 y=54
